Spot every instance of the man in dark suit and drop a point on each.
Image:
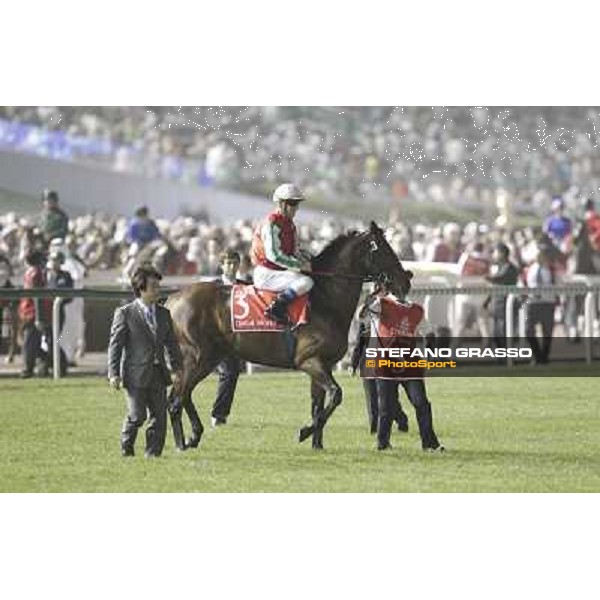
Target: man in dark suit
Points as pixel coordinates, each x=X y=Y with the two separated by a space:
x=140 y=333
x=504 y=272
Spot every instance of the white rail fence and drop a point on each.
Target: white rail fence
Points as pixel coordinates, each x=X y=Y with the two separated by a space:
x=439 y=300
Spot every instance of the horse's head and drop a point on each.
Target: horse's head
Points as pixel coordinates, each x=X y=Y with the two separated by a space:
x=381 y=263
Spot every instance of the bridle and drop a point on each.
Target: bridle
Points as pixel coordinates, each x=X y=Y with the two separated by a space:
x=381 y=279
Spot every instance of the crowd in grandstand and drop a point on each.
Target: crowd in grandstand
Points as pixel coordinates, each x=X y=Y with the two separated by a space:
x=440 y=154
x=398 y=156
x=75 y=247
x=191 y=245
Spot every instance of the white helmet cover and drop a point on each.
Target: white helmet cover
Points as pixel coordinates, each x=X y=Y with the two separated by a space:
x=288 y=191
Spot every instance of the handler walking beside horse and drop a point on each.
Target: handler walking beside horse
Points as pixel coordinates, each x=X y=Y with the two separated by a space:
x=395 y=322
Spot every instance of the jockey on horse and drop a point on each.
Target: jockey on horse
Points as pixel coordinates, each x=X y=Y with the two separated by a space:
x=274 y=252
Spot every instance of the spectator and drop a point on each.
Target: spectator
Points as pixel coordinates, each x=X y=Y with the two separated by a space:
x=73 y=335
x=592 y=223
x=8 y=310
x=469 y=308
x=34 y=316
x=558 y=227
x=54 y=221
x=504 y=272
x=439 y=250
x=141 y=232
x=212 y=261
x=540 y=307
x=142 y=229
x=59 y=279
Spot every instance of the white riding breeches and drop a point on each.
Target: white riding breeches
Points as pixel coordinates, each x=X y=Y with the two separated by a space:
x=278 y=281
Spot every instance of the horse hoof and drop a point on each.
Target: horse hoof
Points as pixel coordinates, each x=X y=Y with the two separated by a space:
x=304 y=434
x=193 y=442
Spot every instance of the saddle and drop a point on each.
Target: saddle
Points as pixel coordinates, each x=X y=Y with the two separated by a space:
x=248 y=305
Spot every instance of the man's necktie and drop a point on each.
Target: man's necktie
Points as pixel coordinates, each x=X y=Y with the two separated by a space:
x=150 y=318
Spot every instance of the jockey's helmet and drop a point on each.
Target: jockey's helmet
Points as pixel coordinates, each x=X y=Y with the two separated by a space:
x=288 y=191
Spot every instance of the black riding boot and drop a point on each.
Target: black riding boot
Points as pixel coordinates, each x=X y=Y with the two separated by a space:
x=277 y=310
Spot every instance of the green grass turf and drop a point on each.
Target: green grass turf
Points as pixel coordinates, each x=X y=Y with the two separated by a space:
x=525 y=434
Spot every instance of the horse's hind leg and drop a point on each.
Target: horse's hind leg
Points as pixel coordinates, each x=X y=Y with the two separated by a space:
x=175 y=407
x=321 y=377
x=318 y=403
x=193 y=374
x=202 y=371
x=194 y=417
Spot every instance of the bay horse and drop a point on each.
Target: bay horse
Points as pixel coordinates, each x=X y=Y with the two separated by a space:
x=201 y=316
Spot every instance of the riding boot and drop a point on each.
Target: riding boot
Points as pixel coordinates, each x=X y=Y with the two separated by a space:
x=277 y=310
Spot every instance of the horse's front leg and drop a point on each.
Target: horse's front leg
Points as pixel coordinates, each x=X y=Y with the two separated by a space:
x=318 y=404
x=322 y=378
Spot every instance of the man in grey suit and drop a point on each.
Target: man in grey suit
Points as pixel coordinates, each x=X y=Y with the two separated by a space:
x=140 y=333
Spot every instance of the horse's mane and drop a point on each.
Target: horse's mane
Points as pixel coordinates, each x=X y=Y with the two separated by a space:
x=332 y=250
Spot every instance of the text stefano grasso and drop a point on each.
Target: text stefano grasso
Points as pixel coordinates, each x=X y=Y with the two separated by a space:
x=448 y=352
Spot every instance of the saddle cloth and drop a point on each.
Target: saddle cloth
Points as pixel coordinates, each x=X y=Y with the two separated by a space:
x=248 y=305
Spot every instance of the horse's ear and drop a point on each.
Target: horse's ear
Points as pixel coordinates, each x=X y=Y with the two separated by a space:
x=374 y=228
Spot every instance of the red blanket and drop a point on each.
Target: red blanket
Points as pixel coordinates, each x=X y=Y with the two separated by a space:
x=249 y=304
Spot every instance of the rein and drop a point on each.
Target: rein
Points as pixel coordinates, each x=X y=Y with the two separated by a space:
x=333 y=274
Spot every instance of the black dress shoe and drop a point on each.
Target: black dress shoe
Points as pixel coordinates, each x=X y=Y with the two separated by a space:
x=381 y=447
x=439 y=449
x=217 y=421
x=26 y=375
x=127 y=452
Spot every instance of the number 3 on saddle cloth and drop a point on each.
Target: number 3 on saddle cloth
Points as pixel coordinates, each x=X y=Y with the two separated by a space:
x=248 y=305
